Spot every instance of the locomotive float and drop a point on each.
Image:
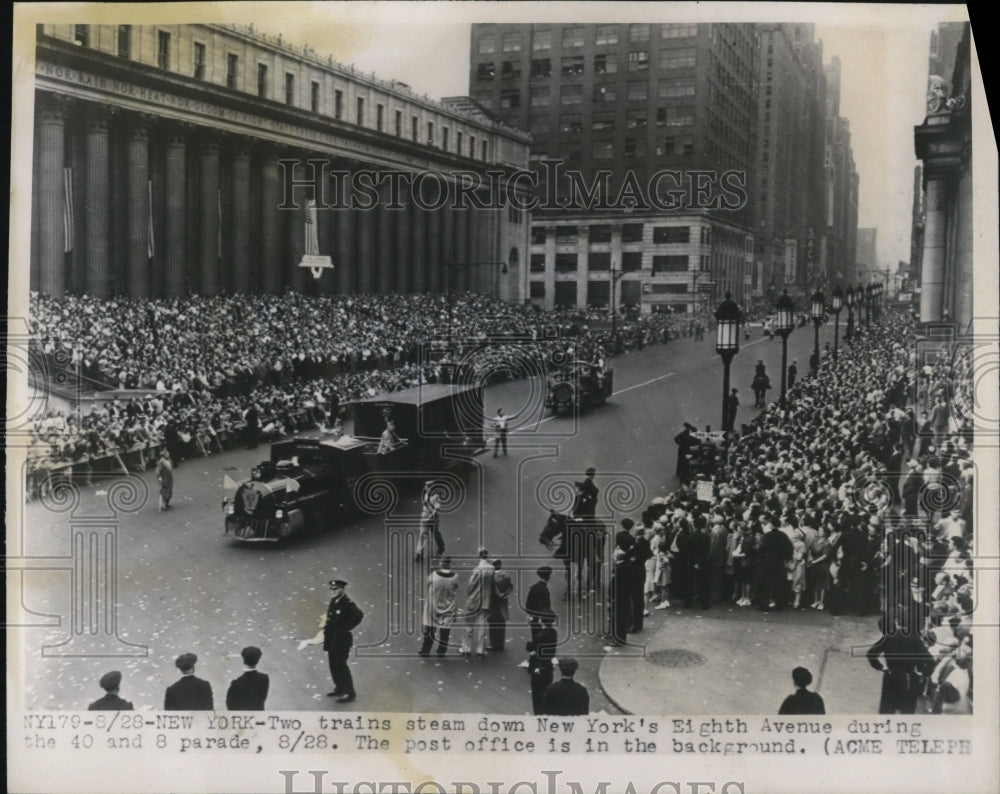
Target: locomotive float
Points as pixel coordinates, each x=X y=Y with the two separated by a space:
x=309 y=484
x=578 y=387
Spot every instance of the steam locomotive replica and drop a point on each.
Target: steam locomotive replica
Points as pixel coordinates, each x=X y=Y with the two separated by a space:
x=578 y=387
x=308 y=484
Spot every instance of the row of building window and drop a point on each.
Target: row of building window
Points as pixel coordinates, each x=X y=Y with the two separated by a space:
x=671 y=145
x=631 y=263
x=540 y=96
x=577 y=36
x=574 y=65
x=631 y=233
x=81 y=37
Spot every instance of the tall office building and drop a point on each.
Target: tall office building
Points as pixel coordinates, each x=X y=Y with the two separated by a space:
x=792 y=193
x=867 y=254
x=654 y=127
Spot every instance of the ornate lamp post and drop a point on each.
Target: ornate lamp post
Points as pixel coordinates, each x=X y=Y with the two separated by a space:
x=727 y=344
x=878 y=302
x=836 y=304
x=784 y=325
x=869 y=290
x=851 y=298
x=818 y=312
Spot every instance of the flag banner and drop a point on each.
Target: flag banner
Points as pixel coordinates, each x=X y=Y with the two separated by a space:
x=151 y=248
x=312 y=234
x=68 y=225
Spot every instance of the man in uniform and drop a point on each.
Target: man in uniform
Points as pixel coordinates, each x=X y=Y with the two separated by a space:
x=111 y=701
x=685 y=444
x=249 y=691
x=538 y=600
x=903 y=660
x=190 y=693
x=586 y=503
x=389 y=440
x=541 y=650
x=793 y=372
x=566 y=698
x=342 y=616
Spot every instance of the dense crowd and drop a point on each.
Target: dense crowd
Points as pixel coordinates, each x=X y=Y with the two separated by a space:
x=198 y=364
x=839 y=499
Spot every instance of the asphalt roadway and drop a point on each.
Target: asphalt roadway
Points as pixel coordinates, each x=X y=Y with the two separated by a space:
x=178 y=584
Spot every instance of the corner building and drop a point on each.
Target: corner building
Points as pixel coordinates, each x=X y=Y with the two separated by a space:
x=158 y=170
x=631 y=99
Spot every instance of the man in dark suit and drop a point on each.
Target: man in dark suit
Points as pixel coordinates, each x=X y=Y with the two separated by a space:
x=802 y=701
x=110 y=702
x=190 y=693
x=342 y=616
x=538 y=600
x=541 y=651
x=586 y=502
x=903 y=660
x=566 y=698
x=249 y=691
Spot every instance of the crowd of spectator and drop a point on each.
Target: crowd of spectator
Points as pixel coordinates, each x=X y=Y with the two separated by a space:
x=188 y=369
x=836 y=499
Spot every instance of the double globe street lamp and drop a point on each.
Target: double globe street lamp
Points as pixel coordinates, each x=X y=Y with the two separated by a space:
x=727 y=344
x=836 y=304
x=784 y=324
x=818 y=313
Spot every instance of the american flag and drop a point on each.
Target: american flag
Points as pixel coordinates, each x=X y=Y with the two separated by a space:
x=312 y=235
x=68 y=210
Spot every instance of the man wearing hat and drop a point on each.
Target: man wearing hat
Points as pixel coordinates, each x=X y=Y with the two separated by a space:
x=912 y=483
x=541 y=650
x=802 y=701
x=586 y=501
x=685 y=444
x=249 y=691
x=342 y=617
x=538 y=601
x=190 y=693
x=110 y=702
x=566 y=698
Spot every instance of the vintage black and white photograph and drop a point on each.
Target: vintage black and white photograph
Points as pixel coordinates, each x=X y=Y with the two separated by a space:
x=513 y=387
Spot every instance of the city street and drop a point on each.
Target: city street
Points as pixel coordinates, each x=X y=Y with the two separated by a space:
x=184 y=586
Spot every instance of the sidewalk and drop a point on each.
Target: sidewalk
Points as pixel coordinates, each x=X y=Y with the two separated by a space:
x=731 y=660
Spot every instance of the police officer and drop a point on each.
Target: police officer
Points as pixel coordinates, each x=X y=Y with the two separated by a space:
x=342 y=616
x=500 y=426
x=903 y=660
x=110 y=682
x=586 y=500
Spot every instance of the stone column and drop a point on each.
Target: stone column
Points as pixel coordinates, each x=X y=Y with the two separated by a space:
x=296 y=227
x=935 y=231
x=475 y=228
x=384 y=222
x=404 y=251
x=137 y=197
x=434 y=265
x=270 y=254
x=51 y=160
x=209 y=216
x=98 y=201
x=364 y=222
x=176 y=211
x=461 y=248
x=344 y=259
x=451 y=272
x=240 y=278
x=418 y=247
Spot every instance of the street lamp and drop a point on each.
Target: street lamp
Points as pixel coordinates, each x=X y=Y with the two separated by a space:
x=784 y=325
x=868 y=305
x=851 y=298
x=878 y=302
x=818 y=312
x=727 y=344
x=837 y=304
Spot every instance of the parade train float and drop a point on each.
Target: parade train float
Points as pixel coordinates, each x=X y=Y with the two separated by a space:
x=577 y=387
x=308 y=484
